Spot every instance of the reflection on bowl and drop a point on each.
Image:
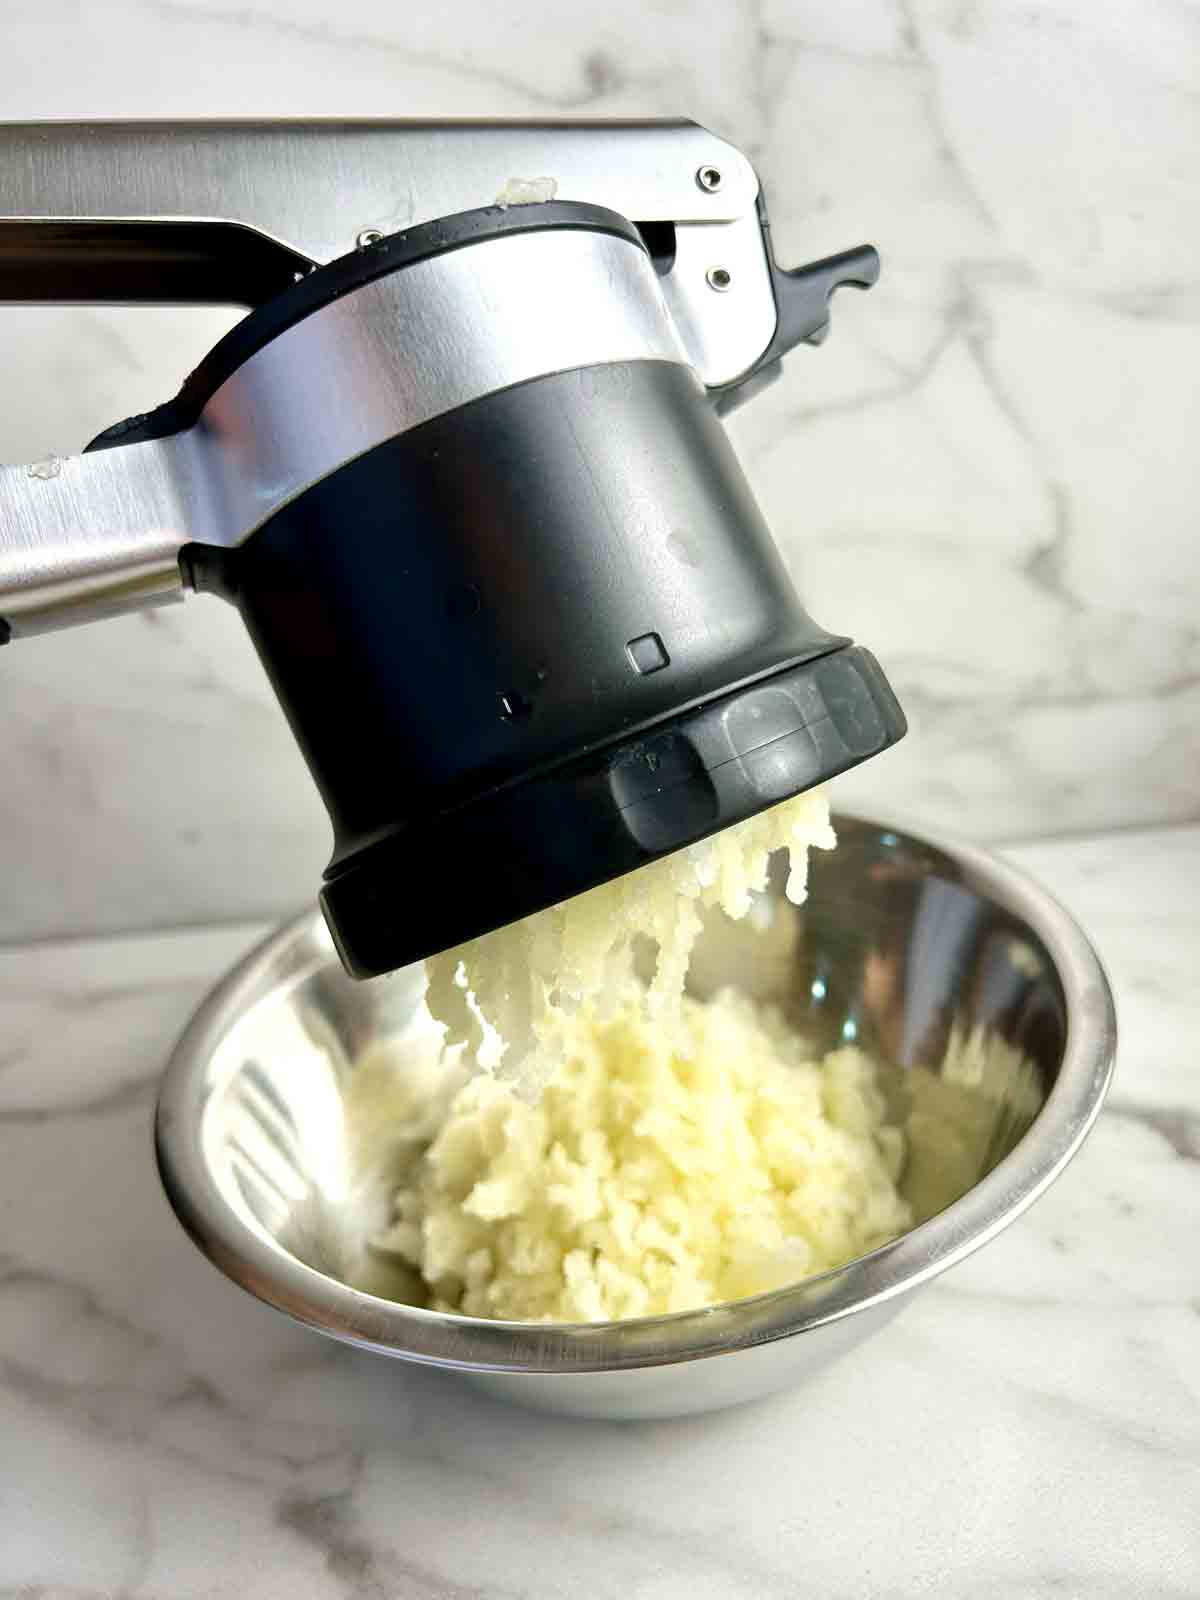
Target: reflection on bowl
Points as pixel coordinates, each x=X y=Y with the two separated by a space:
x=977 y=991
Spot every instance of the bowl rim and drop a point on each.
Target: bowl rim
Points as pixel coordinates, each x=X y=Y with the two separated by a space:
x=259 y=1264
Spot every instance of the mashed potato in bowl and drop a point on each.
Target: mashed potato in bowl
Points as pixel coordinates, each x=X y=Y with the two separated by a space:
x=661 y=1169
x=589 y=1143
x=604 y=1145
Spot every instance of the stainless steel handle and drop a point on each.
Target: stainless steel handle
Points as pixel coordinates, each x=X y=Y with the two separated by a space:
x=231 y=211
x=89 y=537
x=215 y=211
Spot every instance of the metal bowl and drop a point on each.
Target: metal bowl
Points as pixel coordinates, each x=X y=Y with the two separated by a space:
x=909 y=946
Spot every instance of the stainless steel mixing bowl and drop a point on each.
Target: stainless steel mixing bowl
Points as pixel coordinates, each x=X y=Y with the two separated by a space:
x=906 y=945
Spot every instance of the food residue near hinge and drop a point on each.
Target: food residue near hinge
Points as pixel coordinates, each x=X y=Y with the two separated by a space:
x=527 y=192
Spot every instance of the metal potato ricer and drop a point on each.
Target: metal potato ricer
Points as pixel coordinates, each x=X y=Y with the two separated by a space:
x=461 y=470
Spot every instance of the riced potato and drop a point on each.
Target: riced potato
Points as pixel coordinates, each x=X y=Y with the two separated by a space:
x=639 y=1151
x=510 y=997
x=664 y=1167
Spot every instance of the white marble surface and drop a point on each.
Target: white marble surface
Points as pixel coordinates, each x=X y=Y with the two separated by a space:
x=989 y=474
x=1030 y=1427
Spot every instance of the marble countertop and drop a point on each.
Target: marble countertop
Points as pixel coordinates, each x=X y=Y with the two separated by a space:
x=1030 y=1426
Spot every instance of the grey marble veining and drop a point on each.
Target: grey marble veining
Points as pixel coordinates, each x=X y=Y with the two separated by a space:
x=989 y=474
x=1029 y=1427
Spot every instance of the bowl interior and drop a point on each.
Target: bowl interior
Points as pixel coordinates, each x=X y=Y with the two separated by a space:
x=898 y=949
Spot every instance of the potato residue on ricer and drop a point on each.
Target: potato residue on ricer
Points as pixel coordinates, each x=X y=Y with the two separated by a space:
x=629 y=1150
x=512 y=997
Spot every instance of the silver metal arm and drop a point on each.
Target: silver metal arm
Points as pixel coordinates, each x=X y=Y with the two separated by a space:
x=88 y=537
x=208 y=212
x=310 y=187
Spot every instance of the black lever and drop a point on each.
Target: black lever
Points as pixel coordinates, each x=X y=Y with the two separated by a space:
x=802 y=296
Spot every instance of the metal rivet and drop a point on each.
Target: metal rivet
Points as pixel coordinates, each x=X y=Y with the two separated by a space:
x=709 y=179
x=366 y=237
x=719 y=278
